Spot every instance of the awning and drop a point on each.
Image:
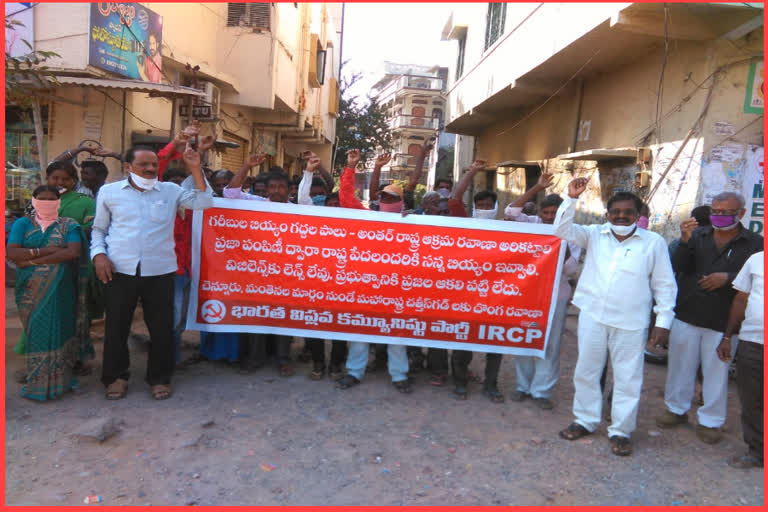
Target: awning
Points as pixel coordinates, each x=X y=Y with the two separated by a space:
x=519 y=163
x=131 y=85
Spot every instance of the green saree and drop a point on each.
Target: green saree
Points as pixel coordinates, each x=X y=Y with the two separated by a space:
x=46 y=300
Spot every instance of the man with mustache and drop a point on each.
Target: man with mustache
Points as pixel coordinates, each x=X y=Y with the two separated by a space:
x=707 y=261
x=625 y=270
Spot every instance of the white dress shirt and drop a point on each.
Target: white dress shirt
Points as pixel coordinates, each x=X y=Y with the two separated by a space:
x=620 y=280
x=750 y=280
x=571 y=263
x=132 y=226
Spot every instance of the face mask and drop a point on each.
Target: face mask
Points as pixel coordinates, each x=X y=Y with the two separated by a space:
x=391 y=207
x=444 y=192
x=623 y=230
x=46 y=212
x=318 y=200
x=724 y=222
x=642 y=222
x=485 y=214
x=143 y=183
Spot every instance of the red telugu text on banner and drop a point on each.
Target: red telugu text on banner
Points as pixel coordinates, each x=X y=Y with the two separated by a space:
x=359 y=275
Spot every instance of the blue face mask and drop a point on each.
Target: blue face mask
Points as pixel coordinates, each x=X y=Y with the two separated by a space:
x=318 y=200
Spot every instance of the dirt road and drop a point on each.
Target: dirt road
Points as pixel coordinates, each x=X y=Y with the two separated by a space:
x=231 y=439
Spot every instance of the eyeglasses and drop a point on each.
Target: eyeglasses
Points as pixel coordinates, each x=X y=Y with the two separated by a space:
x=725 y=212
x=626 y=212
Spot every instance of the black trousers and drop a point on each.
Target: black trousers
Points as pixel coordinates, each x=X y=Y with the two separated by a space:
x=460 y=360
x=437 y=360
x=121 y=295
x=338 y=351
x=257 y=347
x=749 y=382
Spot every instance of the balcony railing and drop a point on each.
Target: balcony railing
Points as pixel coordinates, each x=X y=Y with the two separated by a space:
x=427 y=83
x=418 y=122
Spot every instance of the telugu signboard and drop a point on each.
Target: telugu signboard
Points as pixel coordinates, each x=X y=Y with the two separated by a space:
x=358 y=275
x=753 y=189
x=753 y=102
x=127 y=39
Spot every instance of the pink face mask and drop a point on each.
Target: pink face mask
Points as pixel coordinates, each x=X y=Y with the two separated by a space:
x=642 y=222
x=391 y=207
x=46 y=212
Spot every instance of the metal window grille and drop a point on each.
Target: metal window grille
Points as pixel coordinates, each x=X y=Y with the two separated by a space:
x=254 y=15
x=497 y=13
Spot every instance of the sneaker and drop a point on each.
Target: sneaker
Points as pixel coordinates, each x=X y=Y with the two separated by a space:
x=544 y=403
x=745 y=461
x=709 y=435
x=668 y=419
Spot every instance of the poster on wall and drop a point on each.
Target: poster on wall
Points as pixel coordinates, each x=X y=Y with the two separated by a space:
x=753 y=103
x=23 y=13
x=753 y=189
x=126 y=39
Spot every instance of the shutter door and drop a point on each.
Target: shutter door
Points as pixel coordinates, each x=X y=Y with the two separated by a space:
x=232 y=158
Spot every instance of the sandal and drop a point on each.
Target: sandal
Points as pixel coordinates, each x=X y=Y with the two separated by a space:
x=317 y=372
x=574 y=431
x=161 y=392
x=403 y=386
x=438 y=380
x=286 y=370
x=347 y=381
x=494 y=395
x=20 y=376
x=335 y=372
x=460 y=393
x=621 y=446
x=117 y=390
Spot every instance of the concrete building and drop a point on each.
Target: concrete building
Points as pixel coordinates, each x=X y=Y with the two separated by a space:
x=261 y=75
x=664 y=100
x=413 y=97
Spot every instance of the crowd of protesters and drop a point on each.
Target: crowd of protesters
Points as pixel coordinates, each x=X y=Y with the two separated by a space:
x=87 y=249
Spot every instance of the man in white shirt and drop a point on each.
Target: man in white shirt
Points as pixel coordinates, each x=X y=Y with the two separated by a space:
x=747 y=310
x=534 y=377
x=132 y=248
x=625 y=270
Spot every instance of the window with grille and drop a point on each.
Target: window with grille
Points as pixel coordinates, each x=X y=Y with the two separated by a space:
x=494 y=27
x=460 y=58
x=253 y=15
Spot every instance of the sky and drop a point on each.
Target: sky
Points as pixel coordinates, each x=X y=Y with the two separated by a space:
x=405 y=33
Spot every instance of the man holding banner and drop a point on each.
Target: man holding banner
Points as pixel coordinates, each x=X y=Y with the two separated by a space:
x=625 y=270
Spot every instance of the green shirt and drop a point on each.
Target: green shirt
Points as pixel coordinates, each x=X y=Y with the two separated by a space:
x=79 y=207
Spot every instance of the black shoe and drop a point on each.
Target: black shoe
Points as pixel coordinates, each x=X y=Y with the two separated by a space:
x=403 y=386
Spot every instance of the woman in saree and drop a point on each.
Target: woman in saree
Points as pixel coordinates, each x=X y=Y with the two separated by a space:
x=82 y=209
x=46 y=249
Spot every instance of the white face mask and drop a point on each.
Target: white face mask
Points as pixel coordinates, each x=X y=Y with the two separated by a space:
x=486 y=214
x=623 y=230
x=143 y=183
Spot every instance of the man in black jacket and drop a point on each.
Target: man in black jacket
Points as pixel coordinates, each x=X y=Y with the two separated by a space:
x=706 y=262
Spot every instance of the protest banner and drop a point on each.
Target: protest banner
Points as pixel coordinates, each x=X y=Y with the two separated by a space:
x=752 y=190
x=357 y=275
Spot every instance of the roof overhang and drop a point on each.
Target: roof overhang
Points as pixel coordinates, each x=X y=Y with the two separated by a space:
x=518 y=163
x=602 y=154
x=164 y=90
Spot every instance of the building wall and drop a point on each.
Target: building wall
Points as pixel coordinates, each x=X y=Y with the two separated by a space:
x=620 y=105
x=261 y=76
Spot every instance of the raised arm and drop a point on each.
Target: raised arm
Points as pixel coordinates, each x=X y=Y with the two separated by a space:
x=545 y=181
x=306 y=182
x=373 y=188
x=428 y=146
x=469 y=175
x=564 y=226
x=251 y=162
x=347 y=197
